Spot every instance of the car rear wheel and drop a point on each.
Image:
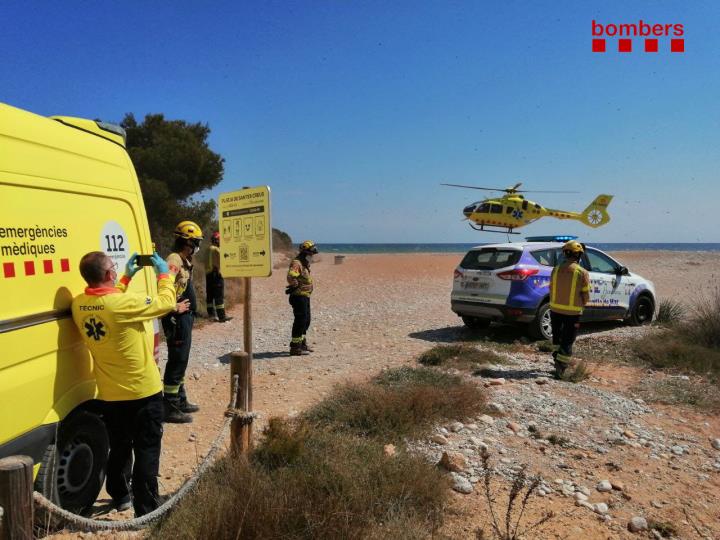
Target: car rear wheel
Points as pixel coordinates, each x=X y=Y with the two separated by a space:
x=541 y=328
x=642 y=312
x=475 y=323
x=73 y=471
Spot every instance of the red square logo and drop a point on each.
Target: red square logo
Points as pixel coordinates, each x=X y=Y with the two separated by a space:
x=8 y=269
x=29 y=268
x=598 y=45
x=65 y=265
x=677 y=45
x=651 y=45
x=47 y=266
x=624 y=45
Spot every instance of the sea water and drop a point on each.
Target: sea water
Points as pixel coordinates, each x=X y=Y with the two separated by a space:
x=462 y=248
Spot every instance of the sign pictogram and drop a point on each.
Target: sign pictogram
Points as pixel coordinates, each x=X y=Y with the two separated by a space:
x=245 y=222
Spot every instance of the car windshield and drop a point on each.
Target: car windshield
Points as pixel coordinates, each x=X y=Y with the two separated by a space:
x=490 y=259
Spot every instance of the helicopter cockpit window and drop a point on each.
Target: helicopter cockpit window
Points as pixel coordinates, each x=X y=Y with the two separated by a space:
x=484 y=208
x=509 y=209
x=496 y=208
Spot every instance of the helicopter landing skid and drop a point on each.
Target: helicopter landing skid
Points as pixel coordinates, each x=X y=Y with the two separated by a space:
x=501 y=231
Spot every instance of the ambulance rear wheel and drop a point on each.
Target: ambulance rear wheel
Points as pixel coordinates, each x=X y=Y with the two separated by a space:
x=475 y=323
x=73 y=471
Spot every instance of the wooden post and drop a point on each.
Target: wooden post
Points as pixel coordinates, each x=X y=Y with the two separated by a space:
x=16 y=499
x=241 y=365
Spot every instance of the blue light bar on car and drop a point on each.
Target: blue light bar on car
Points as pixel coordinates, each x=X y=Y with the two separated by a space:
x=556 y=238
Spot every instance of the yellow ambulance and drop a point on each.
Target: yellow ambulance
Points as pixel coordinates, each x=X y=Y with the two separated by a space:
x=67 y=187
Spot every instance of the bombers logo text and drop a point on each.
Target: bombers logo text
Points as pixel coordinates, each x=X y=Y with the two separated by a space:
x=641 y=29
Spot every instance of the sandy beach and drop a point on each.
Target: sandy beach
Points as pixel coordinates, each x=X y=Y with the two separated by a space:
x=379 y=311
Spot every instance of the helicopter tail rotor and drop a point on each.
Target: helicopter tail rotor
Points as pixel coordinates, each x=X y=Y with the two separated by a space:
x=596 y=215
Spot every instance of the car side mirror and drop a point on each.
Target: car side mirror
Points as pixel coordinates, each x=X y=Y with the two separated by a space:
x=622 y=271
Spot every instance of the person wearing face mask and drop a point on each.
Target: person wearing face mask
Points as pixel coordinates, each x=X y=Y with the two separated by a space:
x=300 y=287
x=178 y=324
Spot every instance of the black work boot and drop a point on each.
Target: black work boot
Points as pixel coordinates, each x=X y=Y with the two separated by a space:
x=173 y=413
x=296 y=349
x=560 y=368
x=222 y=317
x=188 y=406
x=211 y=313
x=304 y=346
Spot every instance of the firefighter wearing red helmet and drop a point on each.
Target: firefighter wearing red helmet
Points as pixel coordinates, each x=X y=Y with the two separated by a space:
x=569 y=293
x=214 y=282
x=300 y=287
x=178 y=324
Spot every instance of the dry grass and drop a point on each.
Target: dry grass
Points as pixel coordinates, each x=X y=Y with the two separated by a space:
x=325 y=475
x=398 y=403
x=510 y=526
x=677 y=391
x=326 y=486
x=692 y=344
x=577 y=372
x=674 y=350
x=460 y=356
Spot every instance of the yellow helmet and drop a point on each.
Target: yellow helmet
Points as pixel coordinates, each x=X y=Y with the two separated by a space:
x=573 y=247
x=188 y=230
x=308 y=245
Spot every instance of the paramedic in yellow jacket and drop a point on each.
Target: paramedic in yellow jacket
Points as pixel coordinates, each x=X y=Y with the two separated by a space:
x=117 y=328
x=569 y=293
x=179 y=323
x=300 y=287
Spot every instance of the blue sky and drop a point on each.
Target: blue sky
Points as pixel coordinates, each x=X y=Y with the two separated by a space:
x=355 y=112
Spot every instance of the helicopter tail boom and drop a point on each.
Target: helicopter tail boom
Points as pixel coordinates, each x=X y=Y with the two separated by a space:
x=596 y=215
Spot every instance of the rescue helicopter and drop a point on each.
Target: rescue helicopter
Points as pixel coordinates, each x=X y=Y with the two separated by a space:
x=512 y=210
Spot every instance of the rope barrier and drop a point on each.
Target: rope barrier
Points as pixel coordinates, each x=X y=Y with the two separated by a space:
x=80 y=523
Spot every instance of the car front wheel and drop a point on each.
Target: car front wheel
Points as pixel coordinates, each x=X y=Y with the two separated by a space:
x=642 y=311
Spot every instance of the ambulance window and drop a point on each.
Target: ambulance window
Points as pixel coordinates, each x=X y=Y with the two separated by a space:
x=525 y=205
x=483 y=208
x=496 y=208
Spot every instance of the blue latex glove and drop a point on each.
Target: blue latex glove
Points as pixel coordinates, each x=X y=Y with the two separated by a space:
x=159 y=264
x=131 y=268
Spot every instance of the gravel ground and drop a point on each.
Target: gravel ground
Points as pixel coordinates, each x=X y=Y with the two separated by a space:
x=379 y=311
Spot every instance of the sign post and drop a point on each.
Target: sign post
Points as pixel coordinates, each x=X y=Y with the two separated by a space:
x=246 y=252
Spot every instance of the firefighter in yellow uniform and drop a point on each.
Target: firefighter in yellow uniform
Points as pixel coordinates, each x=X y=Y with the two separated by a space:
x=569 y=293
x=300 y=287
x=116 y=326
x=179 y=323
x=214 y=282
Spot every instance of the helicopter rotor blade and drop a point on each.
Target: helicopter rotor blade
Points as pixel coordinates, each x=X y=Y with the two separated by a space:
x=473 y=187
x=535 y=191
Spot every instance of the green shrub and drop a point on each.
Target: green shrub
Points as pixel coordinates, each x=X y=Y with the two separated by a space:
x=335 y=486
x=459 y=356
x=398 y=403
x=670 y=312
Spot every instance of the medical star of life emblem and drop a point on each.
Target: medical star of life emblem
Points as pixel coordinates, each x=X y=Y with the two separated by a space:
x=95 y=328
x=517 y=214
